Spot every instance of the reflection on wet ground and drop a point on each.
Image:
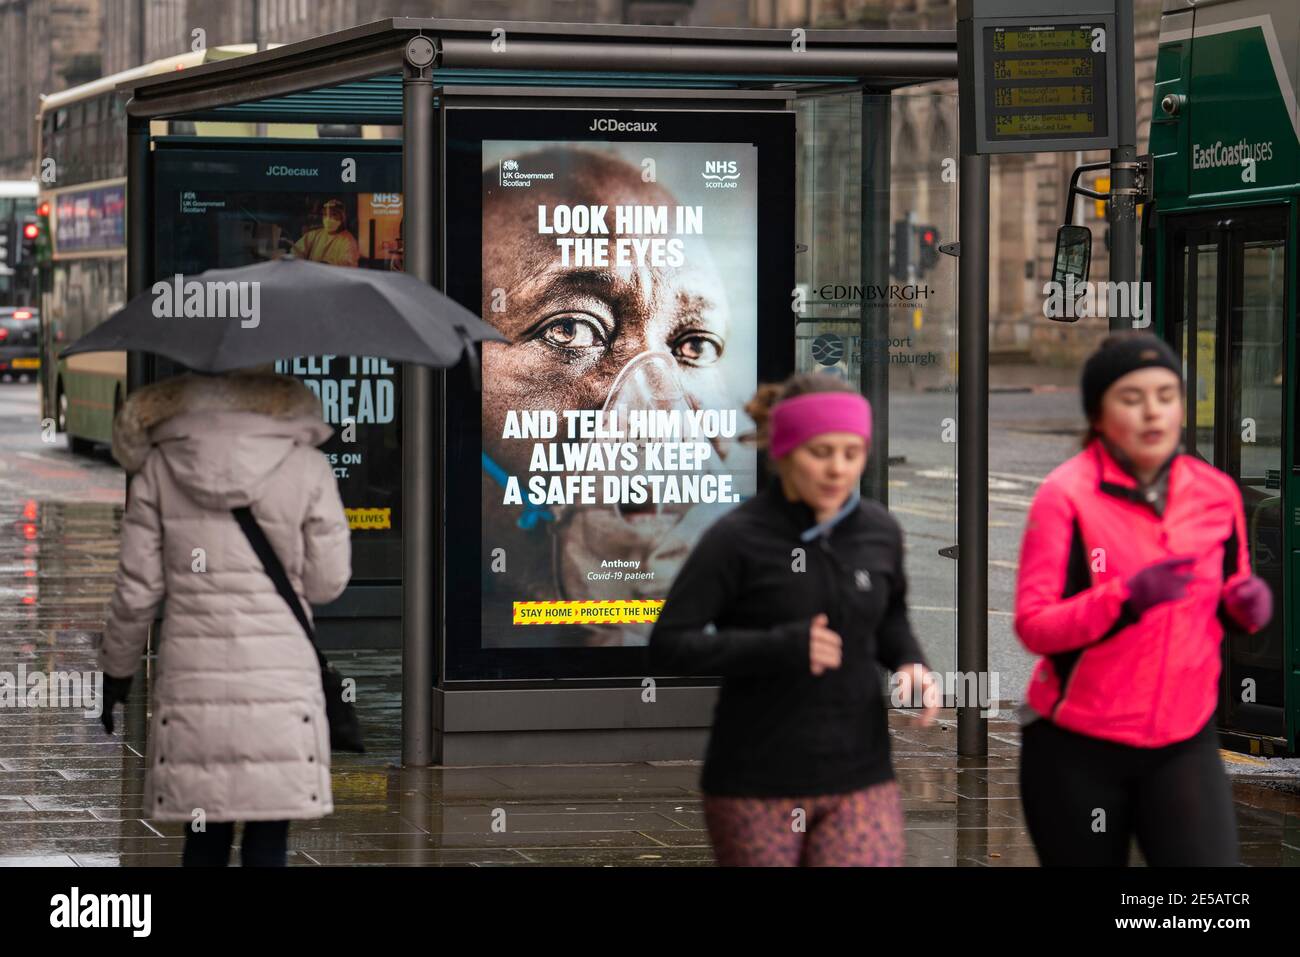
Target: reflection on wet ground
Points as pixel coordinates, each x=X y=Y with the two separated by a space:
x=70 y=795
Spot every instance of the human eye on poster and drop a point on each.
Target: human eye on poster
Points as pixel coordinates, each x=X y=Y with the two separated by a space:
x=624 y=275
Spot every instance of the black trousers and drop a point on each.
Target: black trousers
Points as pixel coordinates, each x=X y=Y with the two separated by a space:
x=265 y=844
x=1086 y=798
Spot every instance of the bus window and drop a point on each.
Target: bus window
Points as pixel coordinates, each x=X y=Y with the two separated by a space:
x=1259 y=360
x=1256 y=372
x=1192 y=333
x=1228 y=324
x=1206 y=321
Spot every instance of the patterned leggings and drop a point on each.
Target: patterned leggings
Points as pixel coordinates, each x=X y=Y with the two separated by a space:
x=858 y=829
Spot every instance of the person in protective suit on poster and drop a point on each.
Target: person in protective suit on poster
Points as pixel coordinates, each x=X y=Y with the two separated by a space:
x=1135 y=558
x=614 y=339
x=331 y=242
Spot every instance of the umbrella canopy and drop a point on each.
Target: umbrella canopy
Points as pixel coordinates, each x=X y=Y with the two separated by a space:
x=227 y=319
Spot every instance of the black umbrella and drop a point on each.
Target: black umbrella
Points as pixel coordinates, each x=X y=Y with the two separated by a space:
x=226 y=319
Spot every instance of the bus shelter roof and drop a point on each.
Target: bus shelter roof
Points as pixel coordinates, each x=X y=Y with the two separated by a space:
x=355 y=75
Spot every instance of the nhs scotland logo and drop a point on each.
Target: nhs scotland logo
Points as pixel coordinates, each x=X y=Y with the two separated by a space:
x=721 y=174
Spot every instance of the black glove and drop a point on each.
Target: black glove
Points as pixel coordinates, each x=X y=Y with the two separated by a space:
x=115 y=690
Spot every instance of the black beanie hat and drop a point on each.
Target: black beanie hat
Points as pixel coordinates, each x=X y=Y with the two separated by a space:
x=1120 y=354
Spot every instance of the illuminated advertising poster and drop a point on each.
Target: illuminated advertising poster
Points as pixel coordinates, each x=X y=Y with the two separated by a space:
x=225 y=208
x=626 y=274
x=610 y=422
x=87 y=220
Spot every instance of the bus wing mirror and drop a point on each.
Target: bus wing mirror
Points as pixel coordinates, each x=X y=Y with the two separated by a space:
x=1070 y=265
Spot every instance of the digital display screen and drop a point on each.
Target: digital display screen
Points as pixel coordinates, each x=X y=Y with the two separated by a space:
x=1042 y=68
x=1043 y=96
x=221 y=208
x=1044 y=124
x=610 y=421
x=637 y=262
x=1038 y=39
x=1023 y=96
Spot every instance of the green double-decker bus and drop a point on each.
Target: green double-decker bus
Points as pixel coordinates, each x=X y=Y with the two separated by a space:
x=1219 y=247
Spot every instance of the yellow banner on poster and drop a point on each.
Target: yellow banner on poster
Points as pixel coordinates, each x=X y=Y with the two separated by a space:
x=586 y=612
x=369 y=517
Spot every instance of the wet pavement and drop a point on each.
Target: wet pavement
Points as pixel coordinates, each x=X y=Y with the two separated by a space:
x=70 y=795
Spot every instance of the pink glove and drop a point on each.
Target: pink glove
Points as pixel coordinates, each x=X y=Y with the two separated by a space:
x=1250 y=603
x=1158 y=583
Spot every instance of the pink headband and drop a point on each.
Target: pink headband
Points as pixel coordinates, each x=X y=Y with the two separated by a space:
x=794 y=421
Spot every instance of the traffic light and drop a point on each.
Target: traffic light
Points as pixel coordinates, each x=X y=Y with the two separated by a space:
x=6 y=243
x=31 y=234
x=904 y=240
x=43 y=234
x=1102 y=185
x=929 y=258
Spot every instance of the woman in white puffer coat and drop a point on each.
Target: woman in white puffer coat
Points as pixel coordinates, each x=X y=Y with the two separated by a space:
x=238 y=729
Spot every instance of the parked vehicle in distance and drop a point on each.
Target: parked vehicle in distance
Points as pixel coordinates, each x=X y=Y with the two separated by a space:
x=20 y=350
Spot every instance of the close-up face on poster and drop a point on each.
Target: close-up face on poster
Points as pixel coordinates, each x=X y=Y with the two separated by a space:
x=240 y=208
x=625 y=275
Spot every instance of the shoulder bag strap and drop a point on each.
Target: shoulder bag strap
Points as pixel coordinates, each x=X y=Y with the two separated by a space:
x=271 y=563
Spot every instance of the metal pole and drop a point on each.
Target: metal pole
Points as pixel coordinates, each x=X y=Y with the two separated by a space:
x=420 y=214
x=139 y=226
x=873 y=324
x=973 y=443
x=1122 y=208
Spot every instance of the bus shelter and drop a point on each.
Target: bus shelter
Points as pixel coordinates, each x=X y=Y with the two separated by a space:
x=659 y=218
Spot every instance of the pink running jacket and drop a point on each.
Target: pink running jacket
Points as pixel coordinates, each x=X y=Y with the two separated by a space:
x=1145 y=682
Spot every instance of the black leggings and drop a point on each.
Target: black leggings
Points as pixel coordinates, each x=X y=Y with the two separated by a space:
x=265 y=844
x=1085 y=798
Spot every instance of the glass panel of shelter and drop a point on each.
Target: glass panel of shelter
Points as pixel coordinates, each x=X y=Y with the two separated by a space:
x=887 y=320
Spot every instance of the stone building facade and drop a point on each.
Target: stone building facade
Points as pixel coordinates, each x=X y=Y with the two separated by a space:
x=44 y=47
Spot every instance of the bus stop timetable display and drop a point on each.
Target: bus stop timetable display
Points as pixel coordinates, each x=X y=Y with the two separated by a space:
x=1040 y=85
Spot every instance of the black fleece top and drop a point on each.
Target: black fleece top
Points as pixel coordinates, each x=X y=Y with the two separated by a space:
x=742 y=607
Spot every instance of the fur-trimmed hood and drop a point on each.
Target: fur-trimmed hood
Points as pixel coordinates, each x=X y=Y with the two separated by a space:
x=219 y=435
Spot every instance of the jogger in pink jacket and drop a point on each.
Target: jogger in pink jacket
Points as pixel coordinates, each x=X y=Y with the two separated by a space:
x=1134 y=556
